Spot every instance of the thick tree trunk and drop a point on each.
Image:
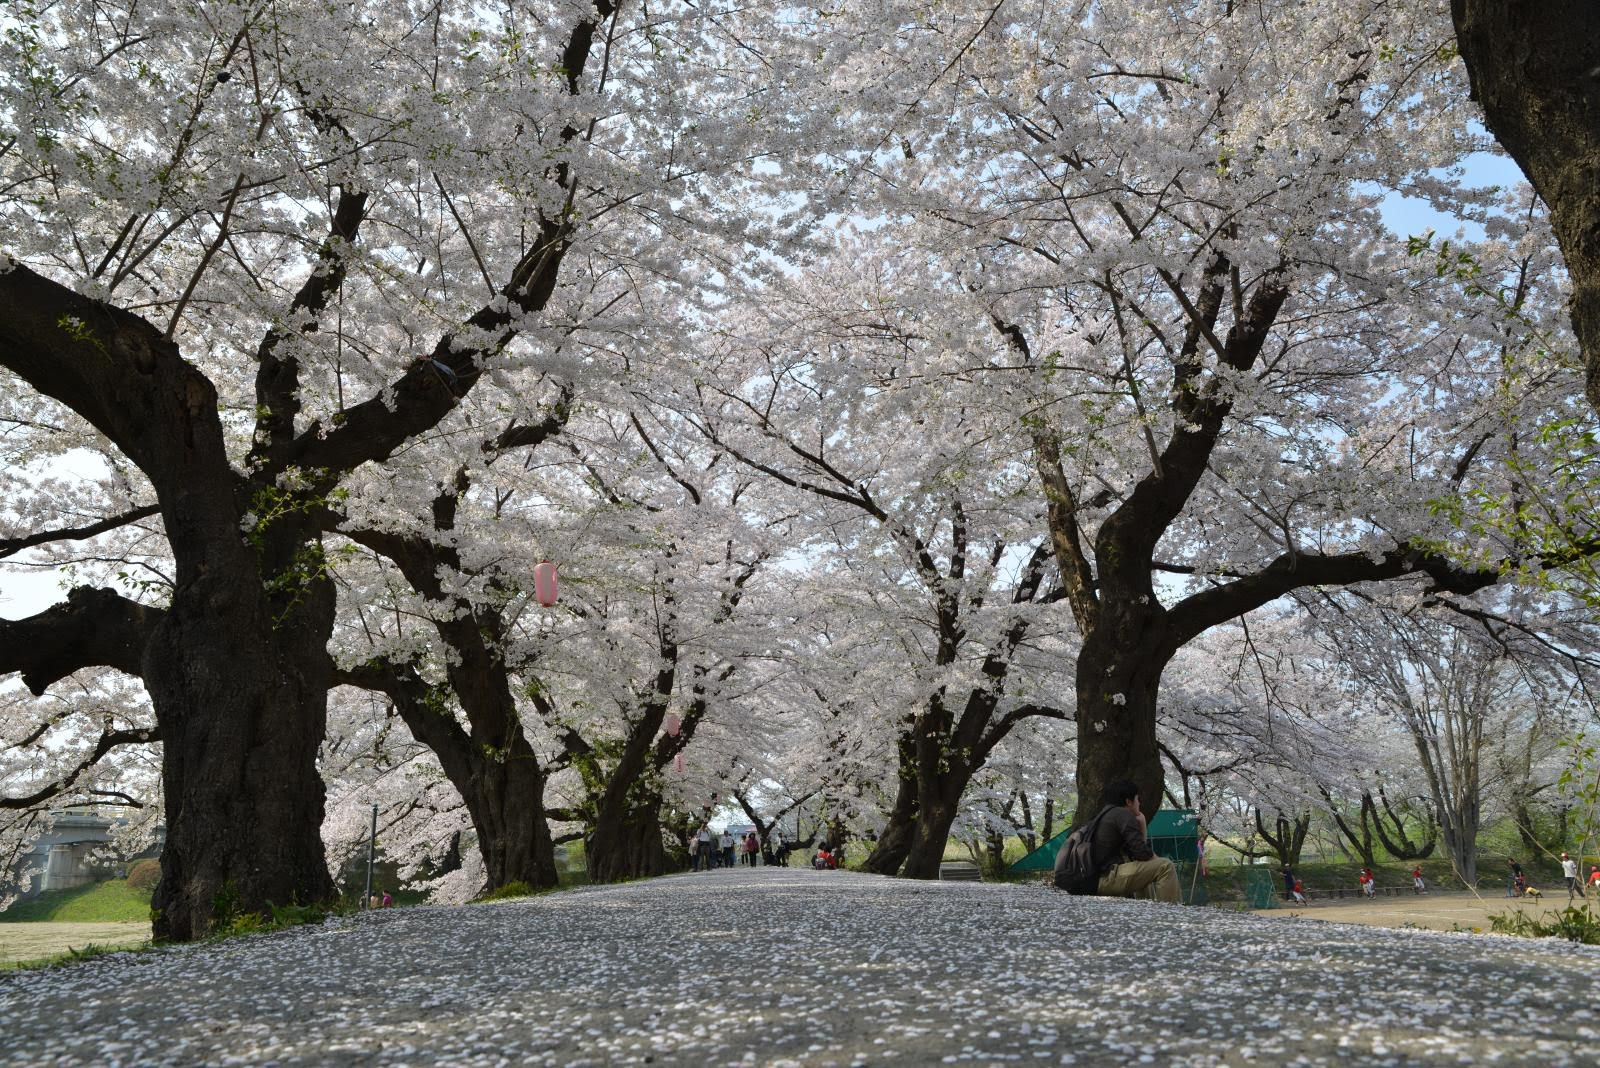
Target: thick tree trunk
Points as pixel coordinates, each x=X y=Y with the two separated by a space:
x=1535 y=68
x=501 y=784
x=239 y=683
x=504 y=784
x=938 y=805
x=625 y=837
x=894 y=841
x=625 y=842
x=1118 y=680
x=507 y=811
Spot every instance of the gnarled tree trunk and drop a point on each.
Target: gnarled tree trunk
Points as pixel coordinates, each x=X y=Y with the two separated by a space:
x=1535 y=68
x=894 y=841
x=239 y=684
x=626 y=839
x=1118 y=680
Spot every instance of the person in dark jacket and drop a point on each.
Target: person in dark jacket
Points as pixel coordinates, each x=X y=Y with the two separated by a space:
x=1128 y=866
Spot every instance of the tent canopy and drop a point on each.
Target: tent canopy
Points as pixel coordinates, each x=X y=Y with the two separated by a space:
x=1174 y=833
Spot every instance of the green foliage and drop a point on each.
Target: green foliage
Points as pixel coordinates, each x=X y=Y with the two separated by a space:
x=73 y=955
x=108 y=902
x=1549 y=518
x=1580 y=784
x=229 y=916
x=1574 y=923
x=144 y=875
x=79 y=331
x=510 y=890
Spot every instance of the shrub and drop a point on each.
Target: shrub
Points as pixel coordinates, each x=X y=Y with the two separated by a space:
x=517 y=889
x=1572 y=923
x=145 y=874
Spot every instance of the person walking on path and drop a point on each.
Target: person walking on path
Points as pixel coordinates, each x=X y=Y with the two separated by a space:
x=752 y=847
x=706 y=851
x=694 y=852
x=1416 y=880
x=1569 y=868
x=1299 y=892
x=727 y=847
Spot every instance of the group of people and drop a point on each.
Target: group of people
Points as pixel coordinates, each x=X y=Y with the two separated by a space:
x=1519 y=886
x=709 y=849
x=1367 y=880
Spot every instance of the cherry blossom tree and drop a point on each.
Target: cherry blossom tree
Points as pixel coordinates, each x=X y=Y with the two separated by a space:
x=89 y=741
x=256 y=247
x=1168 y=220
x=814 y=391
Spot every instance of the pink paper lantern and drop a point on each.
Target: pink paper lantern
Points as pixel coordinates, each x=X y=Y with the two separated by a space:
x=672 y=725
x=544 y=583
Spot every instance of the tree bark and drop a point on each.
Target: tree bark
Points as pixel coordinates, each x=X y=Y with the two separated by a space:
x=493 y=767
x=1118 y=682
x=938 y=804
x=1535 y=68
x=238 y=673
x=894 y=841
x=626 y=840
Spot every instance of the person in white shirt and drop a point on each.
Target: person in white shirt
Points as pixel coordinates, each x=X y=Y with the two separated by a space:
x=706 y=852
x=1569 y=868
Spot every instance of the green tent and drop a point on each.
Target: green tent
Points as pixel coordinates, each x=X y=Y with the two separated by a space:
x=1174 y=834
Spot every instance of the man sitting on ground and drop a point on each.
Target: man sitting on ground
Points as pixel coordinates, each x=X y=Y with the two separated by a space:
x=1128 y=866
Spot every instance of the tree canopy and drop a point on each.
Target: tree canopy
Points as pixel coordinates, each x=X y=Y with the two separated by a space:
x=934 y=412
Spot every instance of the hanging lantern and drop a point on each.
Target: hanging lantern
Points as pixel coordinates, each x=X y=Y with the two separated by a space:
x=544 y=583
x=672 y=724
x=677 y=762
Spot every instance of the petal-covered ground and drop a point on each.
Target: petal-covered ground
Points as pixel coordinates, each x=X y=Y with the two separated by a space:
x=788 y=967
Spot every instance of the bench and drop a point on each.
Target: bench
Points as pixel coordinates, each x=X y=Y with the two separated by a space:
x=959 y=871
x=1353 y=891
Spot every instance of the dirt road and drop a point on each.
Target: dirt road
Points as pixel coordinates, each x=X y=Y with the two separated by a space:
x=1430 y=911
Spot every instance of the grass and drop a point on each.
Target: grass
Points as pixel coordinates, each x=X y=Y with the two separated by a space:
x=108 y=902
x=25 y=945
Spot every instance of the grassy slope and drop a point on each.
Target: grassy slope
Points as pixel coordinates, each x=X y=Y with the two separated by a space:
x=94 y=903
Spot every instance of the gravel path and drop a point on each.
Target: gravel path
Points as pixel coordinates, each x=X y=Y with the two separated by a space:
x=786 y=967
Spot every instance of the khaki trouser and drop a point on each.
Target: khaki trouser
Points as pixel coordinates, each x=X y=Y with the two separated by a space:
x=1142 y=878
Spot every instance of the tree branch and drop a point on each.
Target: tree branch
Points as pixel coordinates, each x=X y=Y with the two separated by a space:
x=93 y=627
x=12 y=546
x=432 y=384
x=1290 y=571
x=109 y=740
